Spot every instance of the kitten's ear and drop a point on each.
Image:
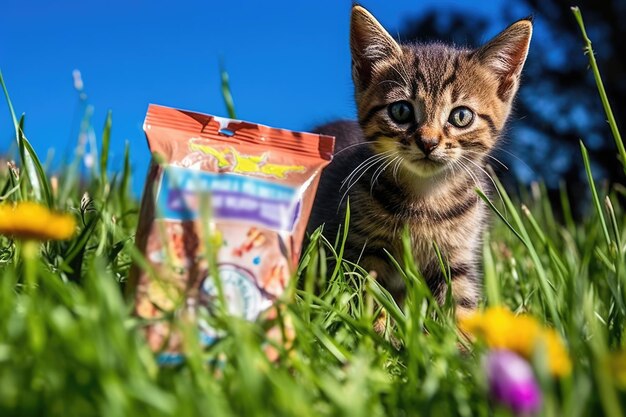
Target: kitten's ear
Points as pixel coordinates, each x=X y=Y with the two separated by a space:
x=505 y=56
x=370 y=44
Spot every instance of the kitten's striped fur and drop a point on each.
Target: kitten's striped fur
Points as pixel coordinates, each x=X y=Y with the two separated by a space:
x=419 y=173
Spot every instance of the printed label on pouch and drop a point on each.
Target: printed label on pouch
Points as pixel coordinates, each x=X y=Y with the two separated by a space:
x=243 y=297
x=257 y=184
x=233 y=197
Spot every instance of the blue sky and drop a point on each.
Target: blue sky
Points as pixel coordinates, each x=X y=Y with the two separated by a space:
x=288 y=62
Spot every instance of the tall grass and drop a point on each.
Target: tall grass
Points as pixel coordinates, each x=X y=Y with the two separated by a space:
x=69 y=345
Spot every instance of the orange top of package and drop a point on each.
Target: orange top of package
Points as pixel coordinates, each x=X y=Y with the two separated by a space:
x=239 y=131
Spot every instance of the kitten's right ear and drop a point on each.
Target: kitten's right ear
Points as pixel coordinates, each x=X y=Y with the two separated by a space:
x=505 y=55
x=370 y=44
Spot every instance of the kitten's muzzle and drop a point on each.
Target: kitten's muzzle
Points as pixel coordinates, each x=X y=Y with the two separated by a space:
x=427 y=145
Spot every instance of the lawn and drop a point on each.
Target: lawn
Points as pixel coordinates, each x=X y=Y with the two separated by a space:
x=70 y=345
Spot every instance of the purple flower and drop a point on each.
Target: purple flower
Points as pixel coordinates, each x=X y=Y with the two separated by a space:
x=512 y=382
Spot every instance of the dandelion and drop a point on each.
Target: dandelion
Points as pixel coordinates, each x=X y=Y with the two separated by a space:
x=522 y=334
x=512 y=382
x=31 y=221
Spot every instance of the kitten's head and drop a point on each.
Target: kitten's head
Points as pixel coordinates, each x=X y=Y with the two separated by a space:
x=435 y=105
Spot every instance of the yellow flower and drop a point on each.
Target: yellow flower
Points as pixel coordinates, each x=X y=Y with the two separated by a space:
x=501 y=329
x=560 y=363
x=29 y=220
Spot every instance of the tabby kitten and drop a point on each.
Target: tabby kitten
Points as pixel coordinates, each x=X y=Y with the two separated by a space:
x=428 y=116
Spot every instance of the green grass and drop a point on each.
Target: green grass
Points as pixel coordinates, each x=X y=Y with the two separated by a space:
x=69 y=344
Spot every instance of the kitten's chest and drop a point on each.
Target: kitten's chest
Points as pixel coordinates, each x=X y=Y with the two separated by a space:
x=450 y=222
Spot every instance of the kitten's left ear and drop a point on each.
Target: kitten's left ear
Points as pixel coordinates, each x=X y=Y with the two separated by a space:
x=370 y=44
x=505 y=56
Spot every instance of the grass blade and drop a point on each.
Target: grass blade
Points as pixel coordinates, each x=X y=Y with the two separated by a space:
x=603 y=97
x=547 y=289
x=226 y=93
x=492 y=286
x=594 y=194
x=104 y=154
x=40 y=183
x=27 y=155
x=125 y=181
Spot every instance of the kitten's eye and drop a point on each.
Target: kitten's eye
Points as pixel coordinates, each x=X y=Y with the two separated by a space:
x=461 y=117
x=401 y=112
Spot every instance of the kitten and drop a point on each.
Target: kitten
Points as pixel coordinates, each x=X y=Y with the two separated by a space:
x=428 y=116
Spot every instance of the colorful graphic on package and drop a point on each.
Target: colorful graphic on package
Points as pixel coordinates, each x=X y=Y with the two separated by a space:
x=233 y=197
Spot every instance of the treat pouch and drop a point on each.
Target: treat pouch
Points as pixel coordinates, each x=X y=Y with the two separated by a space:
x=240 y=191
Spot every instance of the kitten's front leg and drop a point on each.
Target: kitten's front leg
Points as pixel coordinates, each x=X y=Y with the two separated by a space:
x=465 y=287
x=463 y=280
x=465 y=290
x=387 y=275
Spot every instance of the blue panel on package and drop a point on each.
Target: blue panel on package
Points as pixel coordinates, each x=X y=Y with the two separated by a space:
x=233 y=197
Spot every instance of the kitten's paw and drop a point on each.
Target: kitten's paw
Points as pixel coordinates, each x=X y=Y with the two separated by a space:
x=383 y=326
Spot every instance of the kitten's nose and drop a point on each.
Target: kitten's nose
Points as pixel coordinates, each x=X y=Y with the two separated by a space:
x=427 y=144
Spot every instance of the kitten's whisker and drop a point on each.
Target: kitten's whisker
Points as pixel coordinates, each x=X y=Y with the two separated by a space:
x=488 y=176
x=358 y=172
x=468 y=169
x=474 y=179
x=363 y=169
x=518 y=158
x=380 y=170
x=396 y=168
x=351 y=146
x=488 y=156
x=472 y=175
x=353 y=183
x=362 y=165
x=469 y=172
x=362 y=251
x=365 y=165
x=453 y=171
